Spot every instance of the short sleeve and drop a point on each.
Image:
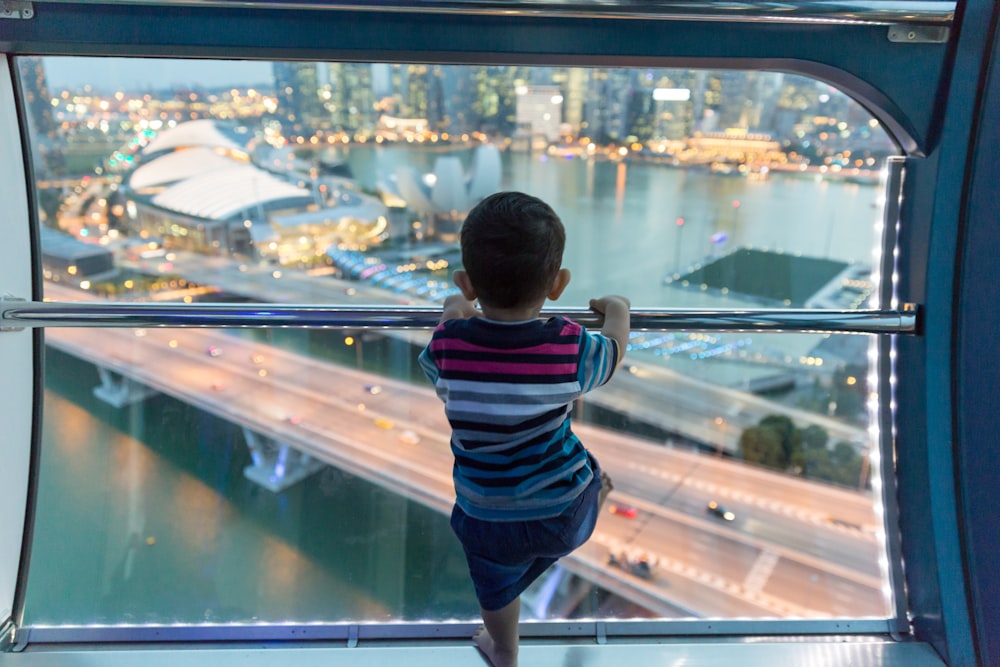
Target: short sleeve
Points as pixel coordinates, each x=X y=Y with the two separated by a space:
x=598 y=359
x=428 y=364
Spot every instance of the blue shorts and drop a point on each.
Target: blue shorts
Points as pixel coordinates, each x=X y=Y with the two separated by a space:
x=506 y=556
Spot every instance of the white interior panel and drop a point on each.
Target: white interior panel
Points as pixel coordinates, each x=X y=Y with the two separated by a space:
x=16 y=380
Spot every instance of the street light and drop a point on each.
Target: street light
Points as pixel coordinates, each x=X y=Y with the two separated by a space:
x=677 y=244
x=721 y=423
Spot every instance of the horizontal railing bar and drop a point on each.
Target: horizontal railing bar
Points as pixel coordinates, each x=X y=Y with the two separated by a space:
x=876 y=12
x=612 y=628
x=25 y=314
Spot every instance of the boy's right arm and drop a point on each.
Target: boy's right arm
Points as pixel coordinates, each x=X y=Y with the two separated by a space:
x=616 y=315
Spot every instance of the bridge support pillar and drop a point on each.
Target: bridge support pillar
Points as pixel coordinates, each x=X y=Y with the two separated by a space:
x=276 y=465
x=118 y=390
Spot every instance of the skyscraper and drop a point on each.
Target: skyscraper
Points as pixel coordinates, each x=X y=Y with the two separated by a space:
x=41 y=123
x=297 y=88
x=494 y=103
x=574 y=95
x=351 y=103
x=605 y=108
x=457 y=90
x=539 y=111
x=425 y=95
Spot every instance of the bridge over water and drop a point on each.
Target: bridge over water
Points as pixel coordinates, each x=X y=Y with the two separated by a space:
x=791 y=541
x=693 y=409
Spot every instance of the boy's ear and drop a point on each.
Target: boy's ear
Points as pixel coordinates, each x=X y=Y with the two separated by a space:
x=559 y=284
x=461 y=280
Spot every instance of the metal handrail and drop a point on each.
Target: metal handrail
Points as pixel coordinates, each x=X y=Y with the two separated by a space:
x=17 y=314
x=871 y=12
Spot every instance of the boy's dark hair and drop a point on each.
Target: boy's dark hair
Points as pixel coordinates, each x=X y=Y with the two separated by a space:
x=512 y=247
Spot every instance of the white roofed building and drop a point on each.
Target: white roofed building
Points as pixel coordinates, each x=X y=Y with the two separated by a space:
x=205 y=132
x=199 y=191
x=177 y=166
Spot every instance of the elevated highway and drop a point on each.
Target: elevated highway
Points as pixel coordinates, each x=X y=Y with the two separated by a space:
x=655 y=395
x=794 y=549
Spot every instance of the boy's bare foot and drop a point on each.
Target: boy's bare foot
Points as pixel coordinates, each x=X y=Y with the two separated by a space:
x=493 y=654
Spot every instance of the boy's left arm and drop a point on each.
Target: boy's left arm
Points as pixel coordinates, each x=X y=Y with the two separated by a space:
x=457 y=307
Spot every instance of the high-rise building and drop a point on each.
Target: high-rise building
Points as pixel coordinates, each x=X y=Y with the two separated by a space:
x=640 y=123
x=736 y=105
x=539 y=111
x=605 y=107
x=437 y=110
x=297 y=88
x=574 y=95
x=381 y=80
x=417 y=93
x=41 y=123
x=673 y=97
x=424 y=95
x=351 y=102
x=458 y=90
x=494 y=106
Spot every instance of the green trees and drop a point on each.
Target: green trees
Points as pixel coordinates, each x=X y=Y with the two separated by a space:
x=777 y=443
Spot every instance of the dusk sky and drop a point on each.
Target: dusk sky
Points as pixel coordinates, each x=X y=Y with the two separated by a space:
x=132 y=73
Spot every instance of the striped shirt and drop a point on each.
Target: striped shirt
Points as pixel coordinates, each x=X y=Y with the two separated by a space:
x=508 y=389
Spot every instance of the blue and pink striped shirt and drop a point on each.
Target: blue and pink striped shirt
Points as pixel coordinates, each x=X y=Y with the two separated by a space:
x=508 y=389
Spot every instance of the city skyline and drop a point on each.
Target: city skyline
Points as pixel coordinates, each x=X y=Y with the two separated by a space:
x=606 y=104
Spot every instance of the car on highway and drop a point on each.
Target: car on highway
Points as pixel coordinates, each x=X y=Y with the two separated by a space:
x=214 y=351
x=218 y=385
x=627 y=511
x=409 y=437
x=373 y=389
x=717 y=510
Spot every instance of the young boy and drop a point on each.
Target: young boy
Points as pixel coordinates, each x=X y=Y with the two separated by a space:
x=527 y=491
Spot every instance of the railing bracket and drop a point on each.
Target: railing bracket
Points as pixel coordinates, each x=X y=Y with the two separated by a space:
x=918 y=34
x=6 y=635
x=16 y=9
x=4 y=300
x=11 y=641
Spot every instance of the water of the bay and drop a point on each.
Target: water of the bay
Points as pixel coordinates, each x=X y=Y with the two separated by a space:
x=621 y=218
x=622 y=235
x=144 y=515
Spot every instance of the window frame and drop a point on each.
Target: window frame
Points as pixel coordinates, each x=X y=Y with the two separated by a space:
x=911 y=134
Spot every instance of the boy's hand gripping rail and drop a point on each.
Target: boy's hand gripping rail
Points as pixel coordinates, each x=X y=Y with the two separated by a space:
x=18 y=314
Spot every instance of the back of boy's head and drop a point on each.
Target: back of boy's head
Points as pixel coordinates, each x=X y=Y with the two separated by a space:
x=512 y=247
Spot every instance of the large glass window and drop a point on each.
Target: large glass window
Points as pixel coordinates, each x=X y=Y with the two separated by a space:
x=292 y=475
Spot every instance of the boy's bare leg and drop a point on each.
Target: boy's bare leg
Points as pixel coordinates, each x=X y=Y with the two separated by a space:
x=499 y=638
x=606 y=487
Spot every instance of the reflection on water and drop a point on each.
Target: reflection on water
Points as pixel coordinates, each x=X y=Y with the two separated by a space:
x=148 y=519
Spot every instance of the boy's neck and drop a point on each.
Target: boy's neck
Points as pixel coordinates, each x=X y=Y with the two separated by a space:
x=515 y=314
